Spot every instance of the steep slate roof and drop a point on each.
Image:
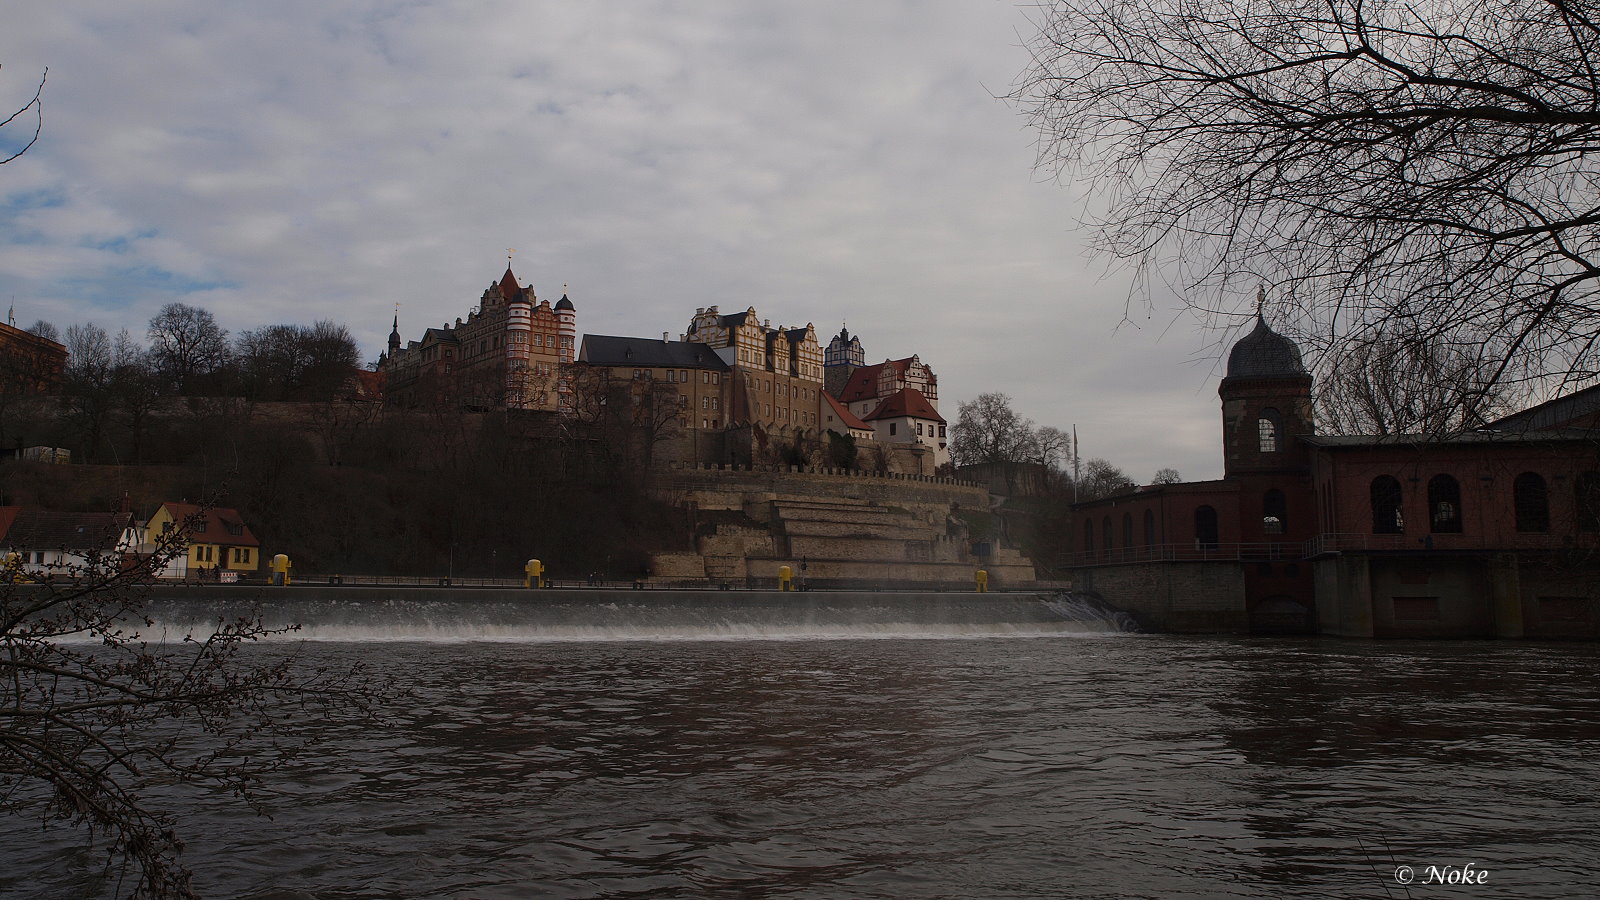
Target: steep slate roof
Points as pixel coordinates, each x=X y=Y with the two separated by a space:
x=215 y=521
x=509 y=289
x=609 y=350
x=906 y=402
x=846 y=418
x=40 y=529
x=1264 y=353
x=563 y=303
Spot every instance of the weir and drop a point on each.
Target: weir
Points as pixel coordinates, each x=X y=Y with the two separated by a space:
x=430 y=614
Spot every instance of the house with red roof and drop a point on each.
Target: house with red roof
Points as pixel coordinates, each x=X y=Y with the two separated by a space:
x=218 y=540
x=906 y=417
x=46 y=542
x=898 y=399
x=837 y=418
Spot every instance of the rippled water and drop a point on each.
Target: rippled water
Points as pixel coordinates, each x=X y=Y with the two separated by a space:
x=1053 y=766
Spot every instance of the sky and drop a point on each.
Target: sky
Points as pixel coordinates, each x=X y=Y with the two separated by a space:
x=826 y=161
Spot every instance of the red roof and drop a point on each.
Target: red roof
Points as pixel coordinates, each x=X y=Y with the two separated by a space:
x=845 y=416
x=509 y=288
x=218 y=525
x=907 y=402
x=48 y=529
x=863 y=384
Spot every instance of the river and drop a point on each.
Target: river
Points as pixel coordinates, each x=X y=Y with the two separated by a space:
x=1044 y=762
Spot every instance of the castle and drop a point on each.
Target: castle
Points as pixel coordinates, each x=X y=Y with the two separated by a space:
x=730 y=389
x=508 y=353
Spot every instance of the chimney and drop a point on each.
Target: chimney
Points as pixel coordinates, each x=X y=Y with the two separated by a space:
x=663 y=337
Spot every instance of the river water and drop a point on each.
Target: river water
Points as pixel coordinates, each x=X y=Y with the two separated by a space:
x=1039 y=763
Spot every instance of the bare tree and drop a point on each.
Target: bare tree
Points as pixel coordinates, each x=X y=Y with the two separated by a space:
x=87 y=727
x=90 y=382
x=988 y=430
x=46 y=330
x=1402 y=384
x=186 y=343
x=1393 y=167
x=1101 y=479
x=37 y=105
x=1167 y=476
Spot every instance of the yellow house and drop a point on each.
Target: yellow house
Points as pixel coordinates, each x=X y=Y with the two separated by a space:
x=219 y=540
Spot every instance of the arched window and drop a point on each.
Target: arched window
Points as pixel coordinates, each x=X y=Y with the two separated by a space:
x=1531 y=501
x=1587 y=490
x=1267 y=428
x=1444 y=505
x=1274 y=512
x=1205 y=527
x=1149 y=528
x=1386 y=515
x=1105 y=532
x=1088 y=535
x=1127 y=529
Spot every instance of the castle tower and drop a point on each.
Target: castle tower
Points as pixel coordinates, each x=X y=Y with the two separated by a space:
x=567 y=319
x=1266 y=405
x=518 y=338
x=843 y=356
x=394 y=336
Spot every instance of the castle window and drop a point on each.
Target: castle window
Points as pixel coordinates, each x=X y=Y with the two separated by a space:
x=1127 y=529
x=1531 y=502
x=891 y=429
x=1088 y=536
x=1105 y=532
x=1587 y=491
x=1149 y=528
x=1444 y=505
x=1205 y=528
x=1386 y=515
x=1274 y=512
x=1267 y=429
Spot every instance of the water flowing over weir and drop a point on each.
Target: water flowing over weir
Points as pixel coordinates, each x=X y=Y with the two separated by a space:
x=388 y=614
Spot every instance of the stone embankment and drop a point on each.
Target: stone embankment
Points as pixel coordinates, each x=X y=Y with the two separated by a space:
x=836 y=529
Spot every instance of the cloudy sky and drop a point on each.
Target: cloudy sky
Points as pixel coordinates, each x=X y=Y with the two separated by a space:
x=826 y=161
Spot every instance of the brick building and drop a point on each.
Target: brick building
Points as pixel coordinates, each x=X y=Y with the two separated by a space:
x=1484 y=533
x=29 y=364
x=508 y=353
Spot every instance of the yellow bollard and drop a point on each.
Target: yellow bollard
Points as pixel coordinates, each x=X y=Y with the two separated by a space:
x=785 y=578
x=280 y=569
x=534 y=571
x=983 y=581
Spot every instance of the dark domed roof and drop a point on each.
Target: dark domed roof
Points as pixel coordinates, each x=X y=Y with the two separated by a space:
x=1264 y=353
x=563 y=303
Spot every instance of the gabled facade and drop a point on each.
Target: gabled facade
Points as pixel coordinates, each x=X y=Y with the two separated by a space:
x=776 y=372
x=507 y=353
x=218 y=541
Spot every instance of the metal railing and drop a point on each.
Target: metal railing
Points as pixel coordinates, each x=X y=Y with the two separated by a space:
x=1265 y=551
